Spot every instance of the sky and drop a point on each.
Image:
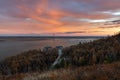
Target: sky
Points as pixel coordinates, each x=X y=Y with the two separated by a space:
x=59 y=17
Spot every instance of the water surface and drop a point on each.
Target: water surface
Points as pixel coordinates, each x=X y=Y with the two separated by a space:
x=10 y=48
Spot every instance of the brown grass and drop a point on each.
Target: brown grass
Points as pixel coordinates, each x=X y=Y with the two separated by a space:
x=96 y=72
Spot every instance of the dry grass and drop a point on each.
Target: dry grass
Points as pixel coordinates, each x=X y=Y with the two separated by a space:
x=96 y=72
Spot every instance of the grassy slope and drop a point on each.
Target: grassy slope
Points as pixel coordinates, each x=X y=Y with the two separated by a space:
x=94 y=72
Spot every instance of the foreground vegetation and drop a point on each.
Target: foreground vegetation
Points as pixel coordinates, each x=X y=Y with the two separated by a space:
x=97 y=60
x=31 y=61
x=95 y=72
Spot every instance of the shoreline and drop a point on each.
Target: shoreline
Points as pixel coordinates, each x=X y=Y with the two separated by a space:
x=35 y=38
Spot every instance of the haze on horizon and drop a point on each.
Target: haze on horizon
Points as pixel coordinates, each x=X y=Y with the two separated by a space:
x=60 y=17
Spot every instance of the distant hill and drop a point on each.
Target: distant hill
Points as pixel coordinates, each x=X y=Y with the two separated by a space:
x=36 y=38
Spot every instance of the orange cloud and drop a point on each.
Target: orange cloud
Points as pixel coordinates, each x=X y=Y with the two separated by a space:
x=52 y=16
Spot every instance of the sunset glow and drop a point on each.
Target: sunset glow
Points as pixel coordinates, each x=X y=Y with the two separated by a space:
x=59 y=17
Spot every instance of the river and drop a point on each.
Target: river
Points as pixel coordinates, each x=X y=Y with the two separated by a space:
x=10 y=48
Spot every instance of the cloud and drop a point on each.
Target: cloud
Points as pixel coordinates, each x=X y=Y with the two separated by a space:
x=109 y=27
x=58 y=15
x=45 y=11
x=79 y=32
x=74 y=32
x=116 y=22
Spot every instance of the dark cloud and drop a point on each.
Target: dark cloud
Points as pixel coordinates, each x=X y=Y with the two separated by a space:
x=116 y=22
x=107 y=27
x=77 y=32
x=112 y=24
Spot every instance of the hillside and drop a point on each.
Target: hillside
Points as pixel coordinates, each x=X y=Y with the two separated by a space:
x=94 y=72
x=83 y=61
x=30 y=61
x=105 y=50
